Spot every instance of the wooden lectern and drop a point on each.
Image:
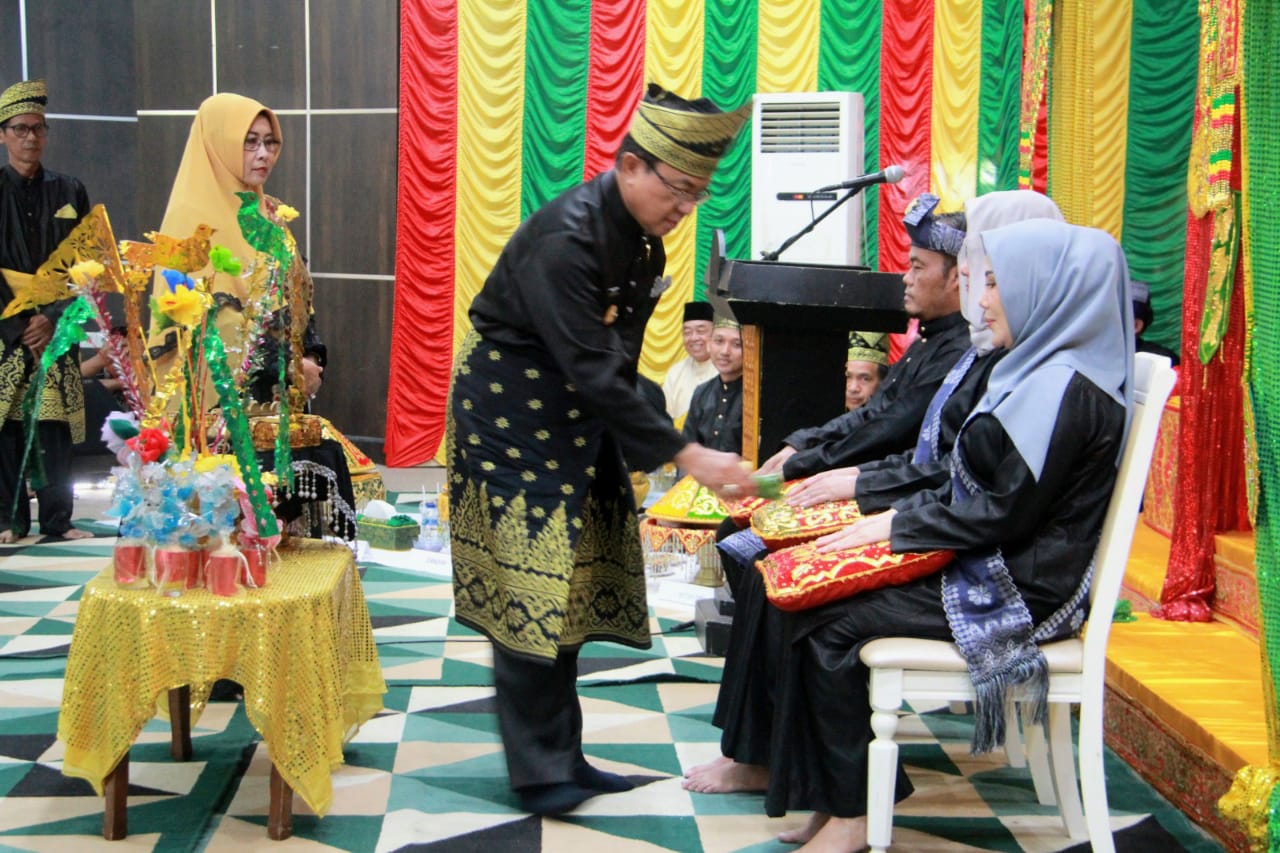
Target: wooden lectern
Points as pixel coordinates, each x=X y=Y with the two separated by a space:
x=796 y=320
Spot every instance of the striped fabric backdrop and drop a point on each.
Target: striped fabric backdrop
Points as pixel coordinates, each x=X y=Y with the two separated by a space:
x=506 y=103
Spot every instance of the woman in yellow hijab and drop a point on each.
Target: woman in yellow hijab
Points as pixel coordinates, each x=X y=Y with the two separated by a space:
x=232 y=148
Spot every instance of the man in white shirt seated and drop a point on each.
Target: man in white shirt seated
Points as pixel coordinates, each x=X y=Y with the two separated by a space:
x=694 y=369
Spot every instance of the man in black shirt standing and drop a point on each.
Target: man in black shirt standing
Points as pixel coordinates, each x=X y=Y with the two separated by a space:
x=38 y=209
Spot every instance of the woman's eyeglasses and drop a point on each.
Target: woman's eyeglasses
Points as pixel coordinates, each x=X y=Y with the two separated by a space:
x=252 y=143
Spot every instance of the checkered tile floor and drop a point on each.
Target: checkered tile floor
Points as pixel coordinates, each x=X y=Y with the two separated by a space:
x=428 y=775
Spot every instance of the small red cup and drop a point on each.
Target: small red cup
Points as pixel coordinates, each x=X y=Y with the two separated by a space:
x=222 y=572
x=256 y=559
x=174 y=569
x=129 y=561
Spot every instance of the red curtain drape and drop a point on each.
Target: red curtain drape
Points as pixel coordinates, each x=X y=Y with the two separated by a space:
x=906 y=115
x=422 y=330
x=615 y=79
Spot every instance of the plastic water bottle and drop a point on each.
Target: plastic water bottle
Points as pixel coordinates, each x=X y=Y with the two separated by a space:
x=429 y=534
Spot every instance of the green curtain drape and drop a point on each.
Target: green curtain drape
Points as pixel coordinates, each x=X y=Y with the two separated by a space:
x=1000 y=97
x=728 y=79
x=557 y=52
x=1162 y=85
x=849 y=61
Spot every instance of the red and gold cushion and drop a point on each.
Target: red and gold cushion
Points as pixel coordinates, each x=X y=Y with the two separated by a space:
x=800 y=578
x=688 y=504
x=781 y=525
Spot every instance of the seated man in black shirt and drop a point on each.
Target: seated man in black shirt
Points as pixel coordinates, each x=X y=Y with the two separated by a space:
x=715 y=412
x=891 y=419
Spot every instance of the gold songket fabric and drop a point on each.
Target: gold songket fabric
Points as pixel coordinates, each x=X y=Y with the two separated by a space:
x=302 y=646
x=781 y=525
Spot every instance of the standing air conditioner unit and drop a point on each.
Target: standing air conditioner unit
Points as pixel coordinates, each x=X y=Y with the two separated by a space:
x=799 y=142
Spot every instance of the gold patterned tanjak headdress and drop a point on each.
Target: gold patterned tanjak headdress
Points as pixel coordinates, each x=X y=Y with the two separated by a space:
x=690 y=136
x=869 y=346
x=29 y=96
x=723 y=322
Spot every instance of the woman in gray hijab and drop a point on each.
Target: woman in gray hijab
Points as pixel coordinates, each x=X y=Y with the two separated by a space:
x=1032 y=470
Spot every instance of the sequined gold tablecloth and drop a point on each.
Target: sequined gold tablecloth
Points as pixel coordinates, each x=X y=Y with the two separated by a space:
x=302 y=646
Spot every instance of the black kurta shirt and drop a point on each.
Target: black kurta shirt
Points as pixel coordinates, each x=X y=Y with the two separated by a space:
x=36 y=214
x=1046 y=528
x=715 y=415
x=890 y=420
x=578 y=282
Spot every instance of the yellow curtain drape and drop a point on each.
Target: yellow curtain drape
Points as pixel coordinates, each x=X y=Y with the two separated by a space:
x=787 y=46
x=957 y=83
x=1113 y=22
x=673 y=59
x=490 y=128
x=1089 y=107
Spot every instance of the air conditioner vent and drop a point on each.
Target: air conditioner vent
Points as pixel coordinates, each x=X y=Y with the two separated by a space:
x=800 y=127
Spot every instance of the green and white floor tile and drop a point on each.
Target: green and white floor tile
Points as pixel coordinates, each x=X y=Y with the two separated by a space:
x=427 y=774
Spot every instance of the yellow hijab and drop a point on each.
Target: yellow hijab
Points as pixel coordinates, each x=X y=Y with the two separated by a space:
x=204 y=192
x=211 y=174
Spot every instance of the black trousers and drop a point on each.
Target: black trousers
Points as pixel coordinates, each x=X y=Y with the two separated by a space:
x=539 y=717
x=56 y=499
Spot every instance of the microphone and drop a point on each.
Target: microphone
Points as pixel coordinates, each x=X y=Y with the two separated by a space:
x=890 y=175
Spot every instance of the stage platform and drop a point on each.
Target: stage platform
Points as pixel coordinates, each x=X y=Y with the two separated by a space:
x=1185 y=701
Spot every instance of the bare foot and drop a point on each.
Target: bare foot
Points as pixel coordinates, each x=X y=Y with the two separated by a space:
x=725 y=776
x=697 y=769
x=75 y=533
x=8 y=537
x=817 y=820
x=839 y=835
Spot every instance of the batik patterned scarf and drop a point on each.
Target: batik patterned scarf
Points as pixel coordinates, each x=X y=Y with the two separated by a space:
x=927 y=442
x=993 y=629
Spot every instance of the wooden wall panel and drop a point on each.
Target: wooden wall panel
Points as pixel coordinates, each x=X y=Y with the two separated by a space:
x=85 y=52
x=161 y=140
x=353 y=184
x=349 y=72
x=173 y=52
x=10 y=43
x=354 y=318
x=262 y=50
x=94 y=152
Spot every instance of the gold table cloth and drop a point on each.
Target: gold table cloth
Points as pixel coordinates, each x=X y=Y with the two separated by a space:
x=302 y=647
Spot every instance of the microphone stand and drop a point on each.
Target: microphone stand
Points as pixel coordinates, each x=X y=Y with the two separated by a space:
x=786 y=244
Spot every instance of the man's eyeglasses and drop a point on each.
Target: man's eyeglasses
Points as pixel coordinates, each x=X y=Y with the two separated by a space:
x=40 y=131
x=252 y=143
x=681 y=195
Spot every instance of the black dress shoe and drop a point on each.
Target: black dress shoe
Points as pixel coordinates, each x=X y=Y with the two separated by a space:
x=601 y=781
x=555 y=798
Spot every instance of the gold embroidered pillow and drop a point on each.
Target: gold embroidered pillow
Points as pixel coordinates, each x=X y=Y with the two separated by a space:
x=800 y=578
x=781 y=525
x=742 y=510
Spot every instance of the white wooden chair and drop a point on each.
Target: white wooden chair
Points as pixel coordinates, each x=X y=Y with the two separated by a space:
x=915 y=670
